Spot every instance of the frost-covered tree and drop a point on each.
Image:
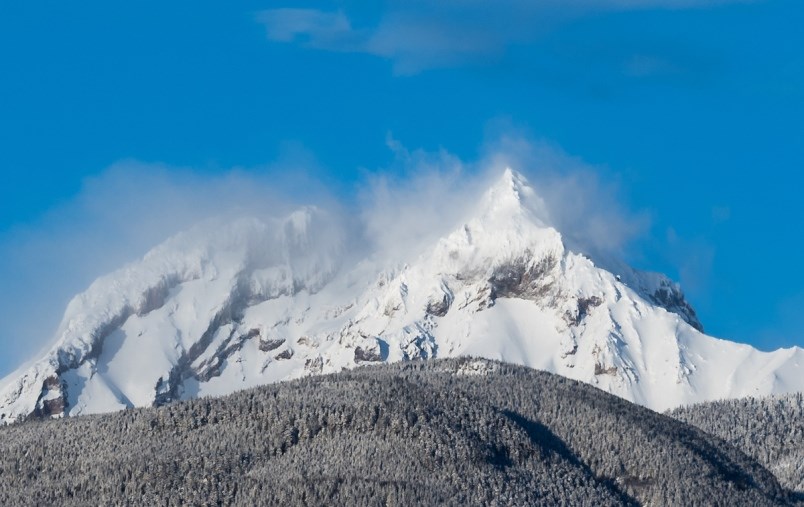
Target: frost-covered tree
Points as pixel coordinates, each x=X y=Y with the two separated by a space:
x=451 y=432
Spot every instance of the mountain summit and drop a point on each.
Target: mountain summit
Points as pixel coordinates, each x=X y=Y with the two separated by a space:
x=226 y=306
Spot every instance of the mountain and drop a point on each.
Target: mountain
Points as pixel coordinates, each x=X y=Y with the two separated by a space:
x=441 y=432
x=226 y=306
x=769 y=429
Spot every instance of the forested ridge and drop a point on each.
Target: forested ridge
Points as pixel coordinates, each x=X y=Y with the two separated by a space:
x=453 y=432
x=770 y=429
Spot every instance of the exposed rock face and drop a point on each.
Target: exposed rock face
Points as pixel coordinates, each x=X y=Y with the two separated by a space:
x=285 y=354
x=602 y=370
x=524 y=278
x=439 y=307
x=307 y=341
x=670 y=297
x=155 y=297
x=269 y=344
x=371 y=355
x=583 y=307
x=53 y=399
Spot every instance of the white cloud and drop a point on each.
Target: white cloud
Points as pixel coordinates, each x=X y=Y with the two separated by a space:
x=417 y=35
x=416 y=200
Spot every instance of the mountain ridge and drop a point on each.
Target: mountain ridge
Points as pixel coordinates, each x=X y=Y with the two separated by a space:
x=233 y=305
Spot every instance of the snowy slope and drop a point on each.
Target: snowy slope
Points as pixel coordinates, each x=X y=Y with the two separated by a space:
x=228 y=306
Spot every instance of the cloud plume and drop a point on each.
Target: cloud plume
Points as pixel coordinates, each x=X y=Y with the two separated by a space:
x=392 y=214
x=116 y=218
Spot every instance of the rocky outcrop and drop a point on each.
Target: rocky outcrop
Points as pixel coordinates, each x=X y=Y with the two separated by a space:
x=53 y=400
x=583 y=307
x=670 y=297
x=285 y=354
x=524 y=278
x=269 y=344
x=368 y=354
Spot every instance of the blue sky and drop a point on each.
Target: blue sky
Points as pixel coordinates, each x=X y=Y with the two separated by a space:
x=690 y=111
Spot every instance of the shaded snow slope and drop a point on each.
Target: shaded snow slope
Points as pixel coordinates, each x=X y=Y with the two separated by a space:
x=228 y=306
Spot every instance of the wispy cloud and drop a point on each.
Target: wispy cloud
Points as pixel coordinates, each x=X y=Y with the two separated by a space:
x=426 y=192
x=132 y=206
x=116 y=218
x=418 y=35
x=315 y=28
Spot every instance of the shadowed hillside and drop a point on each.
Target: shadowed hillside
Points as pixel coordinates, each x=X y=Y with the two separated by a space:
x=456 y=431
x=770 y=429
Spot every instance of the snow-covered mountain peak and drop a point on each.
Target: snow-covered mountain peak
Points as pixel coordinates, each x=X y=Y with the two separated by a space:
x=230 y=304
x=510 y=201
x=506 y=226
